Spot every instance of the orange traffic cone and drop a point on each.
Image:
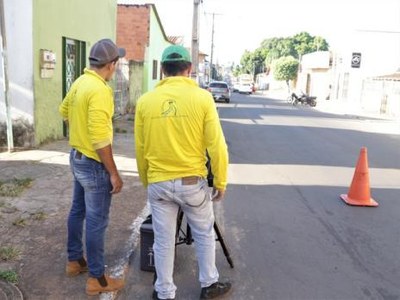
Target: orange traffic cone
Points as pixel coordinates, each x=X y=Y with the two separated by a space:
x=359 y=192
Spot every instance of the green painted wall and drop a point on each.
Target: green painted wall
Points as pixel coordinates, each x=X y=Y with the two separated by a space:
x=84 y=20
x=157 y=44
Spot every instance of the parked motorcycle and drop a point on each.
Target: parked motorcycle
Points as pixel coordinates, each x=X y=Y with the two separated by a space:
x=303 y=99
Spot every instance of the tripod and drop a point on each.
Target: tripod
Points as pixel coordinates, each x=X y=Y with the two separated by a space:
x=185 y=237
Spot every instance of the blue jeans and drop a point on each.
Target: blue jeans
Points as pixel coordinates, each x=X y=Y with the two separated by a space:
x=91 y=201
x=195 y=201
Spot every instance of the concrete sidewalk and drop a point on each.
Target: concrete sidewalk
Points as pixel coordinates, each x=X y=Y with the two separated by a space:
x=344 y=108
x=390 y=124
x=33 y=224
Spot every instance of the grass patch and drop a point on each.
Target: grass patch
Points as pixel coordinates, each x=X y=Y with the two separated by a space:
x=39 y=216
x=14 y=187
x=9 y=253
x=9 y=276
x=20 y=222
x=119 y=130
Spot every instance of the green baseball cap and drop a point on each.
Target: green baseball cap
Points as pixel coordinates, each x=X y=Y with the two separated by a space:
x=175 y=53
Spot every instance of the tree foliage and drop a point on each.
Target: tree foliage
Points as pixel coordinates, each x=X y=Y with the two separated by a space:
x=246 y=62
x=236 y=70
x=277 y=47
x=285 y=68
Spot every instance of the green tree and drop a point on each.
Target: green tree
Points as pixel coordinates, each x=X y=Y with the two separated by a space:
x=276 y=48
x=303 y=42
x=246 y=62
x=253 y=62
x=286 y=47
x=258 y=58
x=271 y=49
x=236 y=71
x=285 y=68
x=300 y=44
x=320 y=44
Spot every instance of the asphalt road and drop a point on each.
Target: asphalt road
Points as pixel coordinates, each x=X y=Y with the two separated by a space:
x=289 y=233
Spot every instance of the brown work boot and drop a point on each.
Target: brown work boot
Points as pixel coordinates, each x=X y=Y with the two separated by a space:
x=95 y=286
x=76 y=267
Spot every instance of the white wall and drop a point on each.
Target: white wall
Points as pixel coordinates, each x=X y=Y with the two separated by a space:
x=380 y=55
x=380 y=52
x=18 y=21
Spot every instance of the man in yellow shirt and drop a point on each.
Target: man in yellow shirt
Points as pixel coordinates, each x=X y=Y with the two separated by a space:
x=88 y=109
x=174 y=127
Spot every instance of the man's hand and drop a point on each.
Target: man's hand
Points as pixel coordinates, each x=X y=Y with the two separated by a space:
x=116 y=183
x=217 y=194
x=107 y=159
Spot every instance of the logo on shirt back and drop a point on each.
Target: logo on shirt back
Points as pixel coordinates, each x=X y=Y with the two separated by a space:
x=168 y=108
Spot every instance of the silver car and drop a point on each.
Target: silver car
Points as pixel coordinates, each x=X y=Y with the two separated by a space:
x=220 y=91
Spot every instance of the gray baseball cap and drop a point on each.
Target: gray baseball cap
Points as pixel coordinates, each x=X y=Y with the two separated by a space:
x=105 y=51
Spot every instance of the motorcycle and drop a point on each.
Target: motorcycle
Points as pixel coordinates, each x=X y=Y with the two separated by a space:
x=303 y=99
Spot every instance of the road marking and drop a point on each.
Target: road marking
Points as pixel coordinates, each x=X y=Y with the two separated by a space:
x=317 y=175
x=122 y=265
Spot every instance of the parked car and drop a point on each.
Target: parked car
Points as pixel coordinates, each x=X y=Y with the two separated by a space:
x=235 y=87
x=220 y=91
x=245 y=88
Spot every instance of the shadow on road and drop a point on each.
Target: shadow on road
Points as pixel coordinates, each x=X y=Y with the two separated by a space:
x=274 y=132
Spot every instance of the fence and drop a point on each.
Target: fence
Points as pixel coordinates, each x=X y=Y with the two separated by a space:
x=381 y=96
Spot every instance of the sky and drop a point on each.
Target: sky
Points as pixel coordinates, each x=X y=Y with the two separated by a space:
x=241 y=25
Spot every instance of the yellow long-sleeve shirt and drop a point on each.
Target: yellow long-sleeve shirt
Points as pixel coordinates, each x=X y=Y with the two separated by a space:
x=174 y=126
x=89 y=107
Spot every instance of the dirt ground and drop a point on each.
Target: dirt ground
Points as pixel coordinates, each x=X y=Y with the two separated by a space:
x=33 y=224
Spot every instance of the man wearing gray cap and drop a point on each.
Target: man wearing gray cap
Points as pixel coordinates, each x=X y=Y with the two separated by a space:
x=88 y=109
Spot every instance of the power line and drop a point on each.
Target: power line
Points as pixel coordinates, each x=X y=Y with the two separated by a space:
x=378 y=31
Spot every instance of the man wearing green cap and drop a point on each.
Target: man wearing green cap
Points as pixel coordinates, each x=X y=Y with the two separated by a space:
x=175 y=125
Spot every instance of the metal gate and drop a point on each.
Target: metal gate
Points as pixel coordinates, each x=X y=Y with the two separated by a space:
x=74 y=62
x=121 y=90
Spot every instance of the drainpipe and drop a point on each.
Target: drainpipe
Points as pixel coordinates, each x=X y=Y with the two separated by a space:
x=3 y=50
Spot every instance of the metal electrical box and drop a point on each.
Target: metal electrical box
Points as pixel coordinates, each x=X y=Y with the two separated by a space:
x=47 y=63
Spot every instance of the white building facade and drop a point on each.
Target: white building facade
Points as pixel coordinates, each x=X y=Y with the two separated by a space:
x=19 y=53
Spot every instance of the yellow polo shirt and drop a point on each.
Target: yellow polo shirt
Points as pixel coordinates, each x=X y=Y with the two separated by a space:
x=89 y=107
x=174 y=126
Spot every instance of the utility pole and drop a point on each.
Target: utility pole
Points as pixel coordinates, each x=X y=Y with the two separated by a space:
x=3 y=50
x=195 y=40
x=212 y=48
x=212 y=44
